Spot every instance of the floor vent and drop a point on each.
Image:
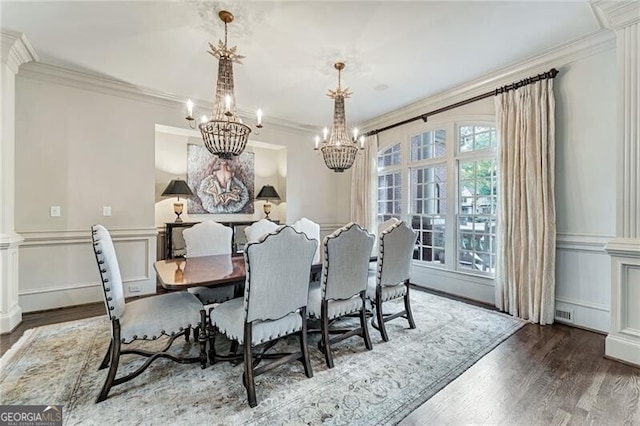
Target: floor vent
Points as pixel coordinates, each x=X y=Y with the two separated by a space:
x=564 y=316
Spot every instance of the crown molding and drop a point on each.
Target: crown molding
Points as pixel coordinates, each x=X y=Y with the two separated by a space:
x=110 y=86
x=617 y=14
x=556 y=57
x=16 y=50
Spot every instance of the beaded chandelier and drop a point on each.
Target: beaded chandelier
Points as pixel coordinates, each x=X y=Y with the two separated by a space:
x=340 y=150
x=224 y=134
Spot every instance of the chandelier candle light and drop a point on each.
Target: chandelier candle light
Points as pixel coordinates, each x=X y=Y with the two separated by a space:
x=339 y=151
x=224 y=133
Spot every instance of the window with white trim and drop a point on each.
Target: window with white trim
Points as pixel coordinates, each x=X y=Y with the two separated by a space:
x=477 y=197
x=389 y=184
x=445 y=188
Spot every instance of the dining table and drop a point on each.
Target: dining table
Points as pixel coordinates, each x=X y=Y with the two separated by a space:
x=179 y=274
x=209 y=271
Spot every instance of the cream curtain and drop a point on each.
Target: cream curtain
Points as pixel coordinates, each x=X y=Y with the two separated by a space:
x=364 y=197
x=525 y=270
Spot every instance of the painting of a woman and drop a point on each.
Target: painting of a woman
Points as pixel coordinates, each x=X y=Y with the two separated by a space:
x=220 y=186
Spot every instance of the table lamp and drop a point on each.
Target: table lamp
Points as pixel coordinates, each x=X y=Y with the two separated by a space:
x=177 y=187
x=266 y=193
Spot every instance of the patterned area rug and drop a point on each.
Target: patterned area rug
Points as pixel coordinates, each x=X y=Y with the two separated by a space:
x=57 y=364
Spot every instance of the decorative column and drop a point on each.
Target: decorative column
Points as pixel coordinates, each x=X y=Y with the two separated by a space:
x=16 y=50
x=623 y=341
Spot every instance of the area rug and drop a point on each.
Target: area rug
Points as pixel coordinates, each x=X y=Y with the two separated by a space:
x=57 y=364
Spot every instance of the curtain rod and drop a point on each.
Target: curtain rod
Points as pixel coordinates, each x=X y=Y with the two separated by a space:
x=552 y=73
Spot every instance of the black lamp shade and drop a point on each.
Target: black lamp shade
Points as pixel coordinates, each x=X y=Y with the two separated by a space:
x=177 y=187
x=268 y=192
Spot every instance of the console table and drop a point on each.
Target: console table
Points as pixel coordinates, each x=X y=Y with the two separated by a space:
x=174 y=242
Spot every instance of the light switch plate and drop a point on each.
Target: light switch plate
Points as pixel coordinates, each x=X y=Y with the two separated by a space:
x=106 y=211
x=55 y=211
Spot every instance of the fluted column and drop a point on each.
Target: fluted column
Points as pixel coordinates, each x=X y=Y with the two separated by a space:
x=623 y=341
x=16 y=50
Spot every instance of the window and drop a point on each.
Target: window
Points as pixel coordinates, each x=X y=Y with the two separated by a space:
x=389 y=184
x=428 y=194
x=477 y=198
x=445 y=187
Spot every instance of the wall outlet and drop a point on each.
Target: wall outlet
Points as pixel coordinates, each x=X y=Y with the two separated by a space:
x=55 y=211
x=134 y=288
x=106 y=211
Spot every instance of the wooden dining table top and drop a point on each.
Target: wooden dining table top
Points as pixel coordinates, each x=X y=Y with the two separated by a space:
x=209 y=271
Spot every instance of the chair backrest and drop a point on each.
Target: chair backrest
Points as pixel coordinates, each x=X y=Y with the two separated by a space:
x=345 y=268
x=278 y=270
x=381 y=228
x=107 y=262
x=259 y=229
x=396 y=251
x=207 y=239
x=311 y=230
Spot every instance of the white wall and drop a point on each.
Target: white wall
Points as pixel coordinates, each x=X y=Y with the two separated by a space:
x=585 y=93
x=83 y=143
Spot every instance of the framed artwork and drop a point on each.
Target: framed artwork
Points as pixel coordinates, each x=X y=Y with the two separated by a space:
x=220 y=186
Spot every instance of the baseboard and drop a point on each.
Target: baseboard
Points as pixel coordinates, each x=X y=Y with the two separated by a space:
x=622 y=349
x=590 y=316
x=10 y=320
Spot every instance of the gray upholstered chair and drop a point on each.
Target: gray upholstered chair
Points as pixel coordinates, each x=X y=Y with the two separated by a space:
x=274 y=303
x=209 y=238
x=381 y=227
x=311 y=230
x=170 y=314
x=343 y=289
x=391 y=278
x=258 y=229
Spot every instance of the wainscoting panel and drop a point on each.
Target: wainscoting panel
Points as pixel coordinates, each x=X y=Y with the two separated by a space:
x=58 y=269
x=460 y=284
x=583 y=271
x=328 y=228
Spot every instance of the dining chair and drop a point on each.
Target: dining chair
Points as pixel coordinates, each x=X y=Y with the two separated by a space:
x=259 y=229
x=209 y=238
x=149 y=318
x=312 y=230
x=381 y=227
x=274 y=303
x=343 y=288
x=391 y=277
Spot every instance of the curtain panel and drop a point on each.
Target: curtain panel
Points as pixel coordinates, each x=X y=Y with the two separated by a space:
x=364 y=195
x=525 y=270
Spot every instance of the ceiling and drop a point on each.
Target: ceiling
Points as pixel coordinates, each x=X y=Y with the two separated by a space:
x=395 y=52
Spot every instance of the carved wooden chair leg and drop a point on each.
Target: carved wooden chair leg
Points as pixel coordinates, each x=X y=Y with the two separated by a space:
x=364 y=323
x=212 y=347
x=201 y=336
x=379 y=316
x=107 y=357
x=248 y=367
x=211 y=334
x=407 y=307
x=115 y=359
x=304 y=348
x=326 y=345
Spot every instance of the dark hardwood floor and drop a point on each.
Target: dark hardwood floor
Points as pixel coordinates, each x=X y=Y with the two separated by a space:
x=53 y=316
x=541 y=375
